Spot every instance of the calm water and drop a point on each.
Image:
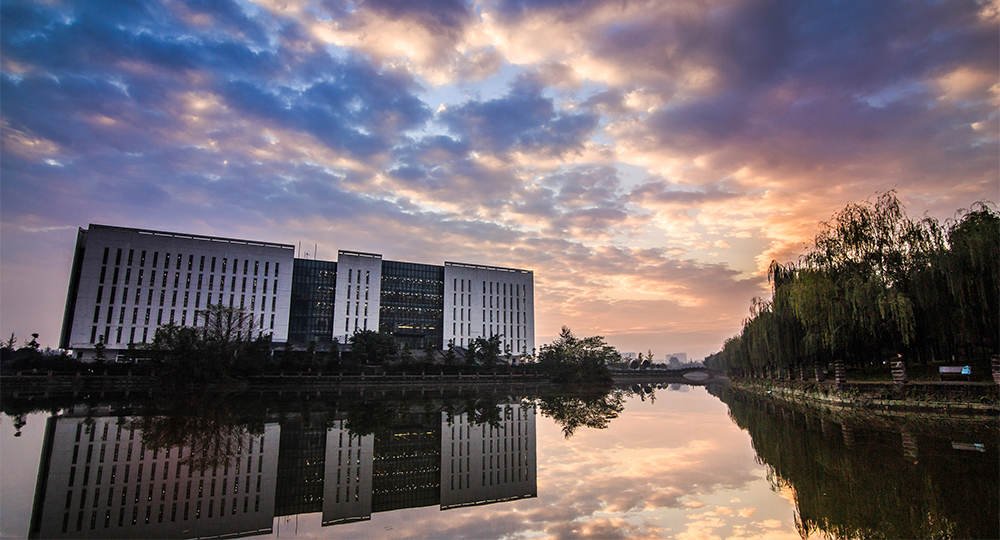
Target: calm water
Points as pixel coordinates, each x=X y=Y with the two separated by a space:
x=679 y=461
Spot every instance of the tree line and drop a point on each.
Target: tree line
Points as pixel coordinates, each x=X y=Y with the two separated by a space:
x=877 y=285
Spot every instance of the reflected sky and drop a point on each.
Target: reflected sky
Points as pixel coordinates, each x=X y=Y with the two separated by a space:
x=673 y=465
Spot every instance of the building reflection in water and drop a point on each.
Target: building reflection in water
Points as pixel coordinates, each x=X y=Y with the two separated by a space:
x=97 y=479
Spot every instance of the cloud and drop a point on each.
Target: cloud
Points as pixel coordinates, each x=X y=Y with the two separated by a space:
x=522 y=120
x=648 y=161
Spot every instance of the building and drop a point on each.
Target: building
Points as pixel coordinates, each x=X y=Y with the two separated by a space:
x=97 y=479
x=100 y=477
x=125 y=283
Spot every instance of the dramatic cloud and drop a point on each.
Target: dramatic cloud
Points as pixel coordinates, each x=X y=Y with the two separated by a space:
x=647 y=159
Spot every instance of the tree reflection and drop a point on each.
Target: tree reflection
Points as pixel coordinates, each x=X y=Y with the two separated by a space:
x=211 y=427
x=593 y=408
x=856 y=477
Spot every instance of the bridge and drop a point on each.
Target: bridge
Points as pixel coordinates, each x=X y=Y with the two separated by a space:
x=690 y=375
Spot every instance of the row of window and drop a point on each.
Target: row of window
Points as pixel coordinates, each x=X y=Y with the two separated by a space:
x=160 y=513
x=501 y=288
x=177 y=277
x=190 y=262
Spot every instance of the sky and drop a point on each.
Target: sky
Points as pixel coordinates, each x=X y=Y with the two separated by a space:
x=647 y=160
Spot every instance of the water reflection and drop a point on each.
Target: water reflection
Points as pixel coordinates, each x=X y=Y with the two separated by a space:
x=201 y=466
x=868 y=477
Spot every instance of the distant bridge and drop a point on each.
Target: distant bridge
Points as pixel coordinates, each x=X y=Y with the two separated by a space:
x=695 y=375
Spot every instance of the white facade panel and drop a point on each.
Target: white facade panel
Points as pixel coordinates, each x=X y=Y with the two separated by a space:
x=358 y=294
x=482 y=301
x=131 y=281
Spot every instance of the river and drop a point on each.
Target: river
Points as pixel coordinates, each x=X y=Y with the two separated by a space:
x=677 y=461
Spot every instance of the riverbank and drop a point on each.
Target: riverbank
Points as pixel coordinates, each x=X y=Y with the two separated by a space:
x=928 y=399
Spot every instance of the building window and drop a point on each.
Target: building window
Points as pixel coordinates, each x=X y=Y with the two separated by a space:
x=224 y=260
x=256 y=266
x=118 y=257
x=246 y=266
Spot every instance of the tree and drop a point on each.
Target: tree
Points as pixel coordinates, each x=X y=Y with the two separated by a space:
x=99 y=354
x=572 y=359
x=33 y=344
x=449 y=354
x=9 y=344
x=372 y=347
x=486 y=350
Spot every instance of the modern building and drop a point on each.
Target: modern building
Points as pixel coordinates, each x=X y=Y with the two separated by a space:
x=101 y=477
x=126 y=282
x=98 y=479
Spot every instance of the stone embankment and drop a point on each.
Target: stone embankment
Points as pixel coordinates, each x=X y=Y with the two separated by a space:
x=948 y=398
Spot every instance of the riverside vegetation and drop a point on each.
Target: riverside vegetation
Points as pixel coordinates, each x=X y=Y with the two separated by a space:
x=877 y=285
x=225 y=348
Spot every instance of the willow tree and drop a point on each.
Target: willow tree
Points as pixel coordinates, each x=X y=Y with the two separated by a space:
x=972 y=272
x=861 y=261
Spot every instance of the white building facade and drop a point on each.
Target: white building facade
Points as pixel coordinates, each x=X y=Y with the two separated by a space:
x=98 y=480
x=125 y=283
x=483 y=301
x=358 y=293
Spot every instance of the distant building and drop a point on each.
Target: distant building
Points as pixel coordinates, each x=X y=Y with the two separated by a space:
x=126 y=282
x=682 y=358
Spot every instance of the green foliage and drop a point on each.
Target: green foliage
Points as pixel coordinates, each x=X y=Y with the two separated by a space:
x=485 y=351
x=223 y=346
x=574 y=360
x=876 y=284
x=371 y=347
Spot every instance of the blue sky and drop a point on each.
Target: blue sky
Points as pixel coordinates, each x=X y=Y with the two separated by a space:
x=646 y=159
